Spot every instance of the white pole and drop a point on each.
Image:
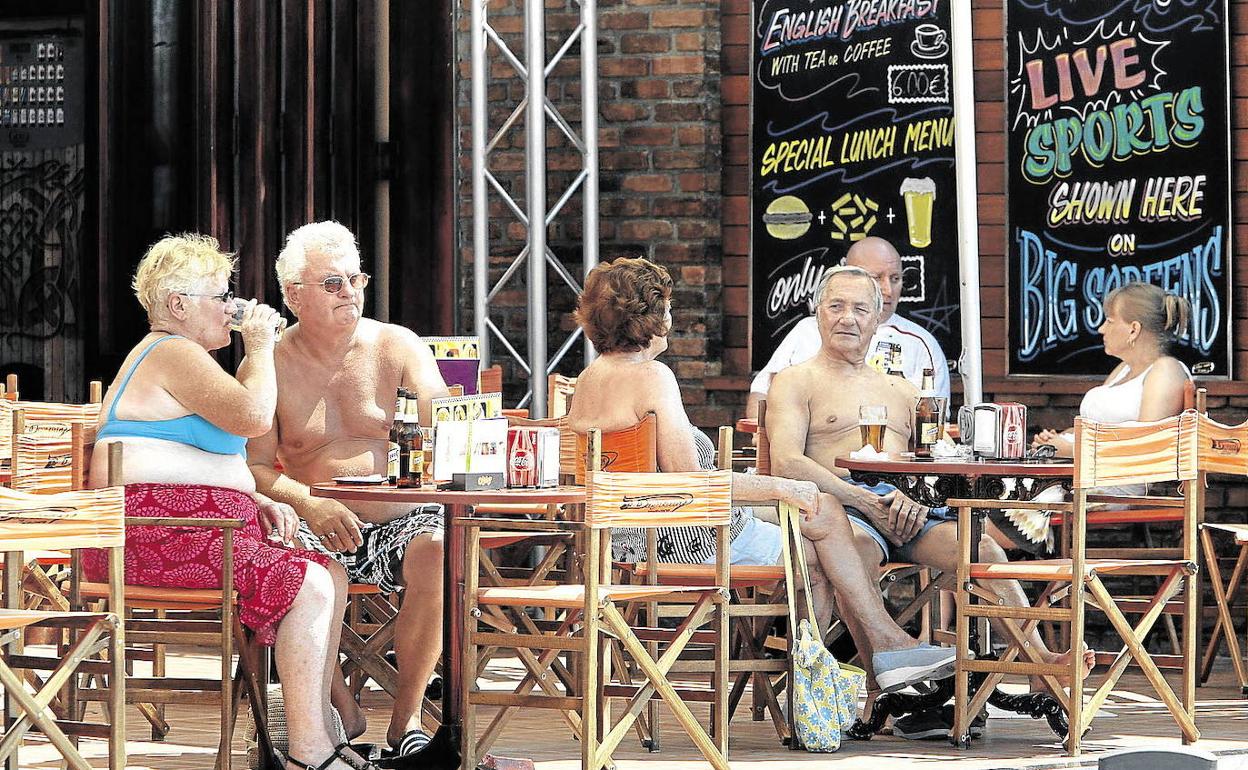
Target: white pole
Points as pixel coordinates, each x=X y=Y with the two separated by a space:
x=480 y=203
x=971 y=363
x=535 y=197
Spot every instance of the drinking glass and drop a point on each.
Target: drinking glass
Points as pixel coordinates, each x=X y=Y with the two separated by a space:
x=872 y=420
x=240 y=307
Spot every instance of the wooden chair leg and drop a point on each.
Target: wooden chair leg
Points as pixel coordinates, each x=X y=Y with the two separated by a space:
x=1224 y=598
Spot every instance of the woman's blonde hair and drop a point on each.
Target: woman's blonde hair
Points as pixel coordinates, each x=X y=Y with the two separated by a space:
x=175 y=264
x=1158 y=313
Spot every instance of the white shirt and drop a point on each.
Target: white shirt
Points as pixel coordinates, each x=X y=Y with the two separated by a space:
x=919 y=351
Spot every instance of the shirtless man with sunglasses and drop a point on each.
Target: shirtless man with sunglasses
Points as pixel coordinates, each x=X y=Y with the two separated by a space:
x=337 y=373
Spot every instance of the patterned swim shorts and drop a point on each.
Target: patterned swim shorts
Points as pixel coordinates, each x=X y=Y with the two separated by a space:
x=379 y=561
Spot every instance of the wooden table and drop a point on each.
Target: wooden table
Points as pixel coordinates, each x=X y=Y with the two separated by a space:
x=442 y=753
x=932 y=482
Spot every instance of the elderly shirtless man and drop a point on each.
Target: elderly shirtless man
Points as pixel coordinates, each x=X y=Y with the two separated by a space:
x=337 y=373
x=810 y=425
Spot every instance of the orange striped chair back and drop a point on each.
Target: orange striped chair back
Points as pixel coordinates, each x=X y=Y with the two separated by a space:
x=1222 y=448
x=559 y=395
x=87 y=518
x=44 y=411
x=631 y=450
x=701 y=498
x=1136 y=453
x=47 y=445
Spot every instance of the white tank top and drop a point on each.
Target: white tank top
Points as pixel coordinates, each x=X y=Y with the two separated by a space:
x=1116 y=402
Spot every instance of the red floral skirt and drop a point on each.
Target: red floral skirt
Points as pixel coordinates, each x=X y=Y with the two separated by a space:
x=267 y=576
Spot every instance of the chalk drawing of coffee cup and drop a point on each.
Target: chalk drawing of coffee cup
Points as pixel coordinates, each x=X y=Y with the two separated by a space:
x=919 y=196
x=929 y=42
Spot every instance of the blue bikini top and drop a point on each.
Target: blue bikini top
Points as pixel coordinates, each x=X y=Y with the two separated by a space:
x=189 y=429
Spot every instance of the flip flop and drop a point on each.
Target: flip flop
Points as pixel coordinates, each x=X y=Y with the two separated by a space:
x=411 y=742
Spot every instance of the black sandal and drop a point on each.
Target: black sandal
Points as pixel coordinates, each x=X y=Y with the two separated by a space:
x=337 y=755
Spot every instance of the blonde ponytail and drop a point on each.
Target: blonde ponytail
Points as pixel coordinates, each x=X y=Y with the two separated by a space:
x=1162 y=315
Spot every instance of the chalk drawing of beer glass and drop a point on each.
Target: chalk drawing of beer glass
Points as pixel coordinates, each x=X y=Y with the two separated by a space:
x=919 y=195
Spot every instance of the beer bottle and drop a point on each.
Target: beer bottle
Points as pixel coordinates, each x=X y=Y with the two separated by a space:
x=411 y=447
x=396 y=427
x=928 y=412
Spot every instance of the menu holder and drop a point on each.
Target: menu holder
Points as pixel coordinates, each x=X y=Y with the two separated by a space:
x=468 y=407
x=469 y=442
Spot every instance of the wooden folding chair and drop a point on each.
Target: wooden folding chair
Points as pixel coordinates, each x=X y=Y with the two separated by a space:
x=46 y=450
x=760 y=594
x=1224 y=595
x=1224 y=450
x=1105 y=455
x=68 y=520
x=591 y=611
x=1144 y=520
x=204 y=617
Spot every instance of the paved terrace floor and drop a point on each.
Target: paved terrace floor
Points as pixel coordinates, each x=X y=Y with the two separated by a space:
x=1130 y=719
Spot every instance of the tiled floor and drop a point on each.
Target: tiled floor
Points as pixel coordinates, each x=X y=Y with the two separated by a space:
x=1131 y=719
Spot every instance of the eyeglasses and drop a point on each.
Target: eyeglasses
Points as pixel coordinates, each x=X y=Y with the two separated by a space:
x=334 y=283
x=226 y=296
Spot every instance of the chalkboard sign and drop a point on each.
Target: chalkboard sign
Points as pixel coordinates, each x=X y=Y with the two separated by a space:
x=1118 y=171
x=852 y=135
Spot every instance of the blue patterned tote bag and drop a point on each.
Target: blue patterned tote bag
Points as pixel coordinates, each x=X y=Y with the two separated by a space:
x=825 y=691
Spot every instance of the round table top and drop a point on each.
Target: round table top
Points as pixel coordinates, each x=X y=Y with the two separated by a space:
x=384 y=493
x=978 y=467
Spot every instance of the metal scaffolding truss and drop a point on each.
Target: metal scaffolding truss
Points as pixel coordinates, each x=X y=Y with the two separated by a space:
x=535 y=216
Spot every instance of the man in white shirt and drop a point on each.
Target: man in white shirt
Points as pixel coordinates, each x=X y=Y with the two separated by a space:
x=899 y=344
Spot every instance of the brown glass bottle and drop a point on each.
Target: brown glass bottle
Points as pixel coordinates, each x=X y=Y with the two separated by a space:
x=927 y=417
x=392 y=445
x=411 y=447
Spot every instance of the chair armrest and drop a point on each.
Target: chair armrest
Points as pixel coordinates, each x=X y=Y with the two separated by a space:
x=169 y=521
x=1139 y=501
x=1030 y=505
x=530 y=525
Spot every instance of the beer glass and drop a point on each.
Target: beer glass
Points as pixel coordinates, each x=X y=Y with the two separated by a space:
x=236 y=323
x=871 y=423
x=919 y=196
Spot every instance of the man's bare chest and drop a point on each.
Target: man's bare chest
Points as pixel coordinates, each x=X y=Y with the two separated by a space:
x=315 y=405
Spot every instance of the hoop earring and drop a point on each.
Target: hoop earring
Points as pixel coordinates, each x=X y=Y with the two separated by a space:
x=1132 y=342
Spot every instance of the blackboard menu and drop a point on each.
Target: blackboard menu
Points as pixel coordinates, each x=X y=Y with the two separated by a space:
x=852 y=136
x=1117 y=171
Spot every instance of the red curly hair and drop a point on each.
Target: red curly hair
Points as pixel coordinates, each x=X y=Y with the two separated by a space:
x=624 y=304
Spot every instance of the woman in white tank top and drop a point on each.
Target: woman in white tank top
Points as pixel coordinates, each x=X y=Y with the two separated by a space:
x=1141 y=322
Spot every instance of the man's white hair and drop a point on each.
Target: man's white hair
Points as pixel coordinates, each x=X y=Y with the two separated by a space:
x=857 y=272
x=328 y=237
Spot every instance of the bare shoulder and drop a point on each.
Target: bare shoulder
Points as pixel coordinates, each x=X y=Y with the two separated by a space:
x=1168 y=370
x=656 y=374
x=180 y=351
x=794 y=380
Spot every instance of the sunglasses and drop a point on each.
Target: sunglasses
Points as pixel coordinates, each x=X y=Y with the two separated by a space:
x=226 y=296
x=334 y=283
